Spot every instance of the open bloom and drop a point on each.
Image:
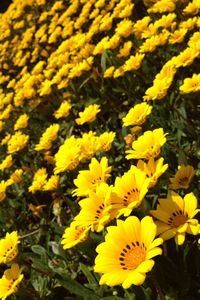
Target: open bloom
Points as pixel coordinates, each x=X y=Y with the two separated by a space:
x=130 y=190
x=137 y=115
x=88 y=115
x=17 y=142
x=175 y=217
x=153 y=169
x=190 y=85
x=9 y=247
x=88 y=179
x=96 y=209
x=147 y=145
x=74 y=235
x=182 y=178
x=9 y=281
x=48 y=137
x=126 y=255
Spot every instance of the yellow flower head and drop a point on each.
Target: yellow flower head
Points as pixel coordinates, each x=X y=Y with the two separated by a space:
x=88 y=115
x=153 y=169
x=190 y=85
x=133 y=62
x=88 y=145
x=130 y=190
x=48 y=137
x=16 y=176
x=67 y=157
x=147 y=145
x=162 y=6
x=9 y=247
x=52 y=183
x=63 y=110
x=88 y=179
x=175 y=217
x=126 y=255
x=137 y=115
x=36 y=209
x=39 y=181
x=74 y=235
x=17 y=142
x=186 y=57
x=6 y=163
x=9 y=281
x=21 y=122
x=182 y=178
x=104 y=141
x=96 y=209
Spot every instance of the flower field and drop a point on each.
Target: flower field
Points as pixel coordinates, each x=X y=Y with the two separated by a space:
x=100 y=150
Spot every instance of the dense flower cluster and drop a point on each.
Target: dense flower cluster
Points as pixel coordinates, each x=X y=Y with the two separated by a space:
x=83 y=87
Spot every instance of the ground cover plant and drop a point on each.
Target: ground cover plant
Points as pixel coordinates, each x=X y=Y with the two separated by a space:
x=99 y=150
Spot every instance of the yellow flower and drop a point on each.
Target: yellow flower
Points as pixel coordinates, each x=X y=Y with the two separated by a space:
x=21 y=122
x=125 y=50
x=16 y=176
x=137 y=115
x=147 y=145
x=175 y=217
x=9 y=281
x=88 y=179
x=9 y=247
x=109 y=72
x=133 y=63
x=63 y=110
x=39 y=181
x=52 y=183
x=6 y=163
x=6 y=139
x=140 y=26
x=130 y=190
x=104 y=141
x=87 y=145
x=153 y=169
x=48 y=137
x=162 y=6
x=3 y=186
x=182 y=178
x=74 y=235
x=192 y=8
x=124 y=28
x=186 y=57
x=96 y=209
x=177 y=36
x=190 y=85
x=88 y=115
x=17 y=142
x=126 y=255
x=67 y=157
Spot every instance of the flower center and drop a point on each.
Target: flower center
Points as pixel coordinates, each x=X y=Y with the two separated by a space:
x=132 y=256
x=131 y=196
x=183 y=181
x=177 y=219
x=98 y=213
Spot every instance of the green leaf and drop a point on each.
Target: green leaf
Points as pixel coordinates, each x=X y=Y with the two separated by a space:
x=87 y=273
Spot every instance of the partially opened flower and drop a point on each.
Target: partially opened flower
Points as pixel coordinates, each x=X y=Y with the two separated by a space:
x=74 y=235
x=182 y=178
x=9 y=281
x=137 y=115
x=9 y=247
x=88 y=115
x=130 y=190
x=104 y=141
x=96 y=209
x=147 y=145
x=175 y=217
x=126 y=255
x=153 y=169
x=88 y=179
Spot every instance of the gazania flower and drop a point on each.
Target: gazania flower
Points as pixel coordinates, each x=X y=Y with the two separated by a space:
x=137 y=115
x=17 y=142
x=39 y=181
x=74 y=235
x=130 y=190
x=21 y=122
x=182 y=178
x=6 y=163
x=147 y=145
x=104 y=141
x=88 y=115
x=9 y=247
x=88 y=179
x=153 y=169
x=88 y=145
x=10 y=281
x=96 y=209
x=175 y=217
x=52 y=183
x=190 y=85
x=48 y=137
x=36 y=209
x=63 y=110
x=126 y=255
